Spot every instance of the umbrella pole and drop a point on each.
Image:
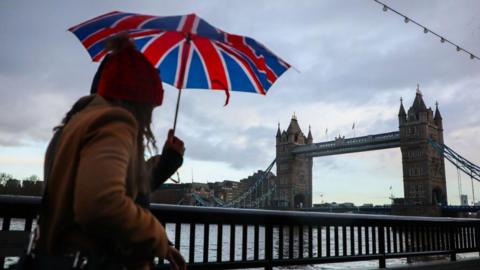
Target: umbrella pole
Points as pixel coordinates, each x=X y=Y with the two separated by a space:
x=176 y=110
x=186 y=50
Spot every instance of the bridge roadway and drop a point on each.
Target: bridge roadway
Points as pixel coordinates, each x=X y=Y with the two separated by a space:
x=351 y=145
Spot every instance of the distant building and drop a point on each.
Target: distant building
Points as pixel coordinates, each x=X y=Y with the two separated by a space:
x=226 y=190
x=249 y=182
x=463 y=199
x=347 y=204
x=183 y=194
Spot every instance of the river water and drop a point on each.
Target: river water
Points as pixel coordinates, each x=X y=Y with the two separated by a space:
x=199 y=229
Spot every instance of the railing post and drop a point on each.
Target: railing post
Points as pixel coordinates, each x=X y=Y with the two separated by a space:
x=381 y=246
x=268 y=246
x=477 y=238
x=5 y=227
x=453 y=243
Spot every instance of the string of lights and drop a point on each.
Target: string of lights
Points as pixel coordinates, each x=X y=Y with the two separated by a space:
x=426 y=30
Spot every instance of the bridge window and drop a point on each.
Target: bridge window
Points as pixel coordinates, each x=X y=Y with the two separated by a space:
x=412 y=131
x=296 y=137
x=416 y=191
x=414 y=154
x=416 y=171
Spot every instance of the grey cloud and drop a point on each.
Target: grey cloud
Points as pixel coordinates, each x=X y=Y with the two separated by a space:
x=345 y=51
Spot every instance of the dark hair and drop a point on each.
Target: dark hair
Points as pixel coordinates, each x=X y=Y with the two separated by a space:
x=141 y=111
x=143 y=114
x=77 y=106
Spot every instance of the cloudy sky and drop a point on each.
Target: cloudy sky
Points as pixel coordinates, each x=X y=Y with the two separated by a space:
x=354 y=63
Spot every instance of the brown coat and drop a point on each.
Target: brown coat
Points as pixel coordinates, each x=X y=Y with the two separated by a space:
x=95 y=177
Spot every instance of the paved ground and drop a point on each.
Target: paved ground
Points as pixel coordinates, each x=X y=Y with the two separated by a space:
x=465 y=264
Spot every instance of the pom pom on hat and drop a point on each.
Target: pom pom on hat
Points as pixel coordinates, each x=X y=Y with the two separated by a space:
x=128 y=75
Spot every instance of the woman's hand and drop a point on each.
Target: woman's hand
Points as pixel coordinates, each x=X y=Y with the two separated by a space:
x=174 y=143
x=177 y=262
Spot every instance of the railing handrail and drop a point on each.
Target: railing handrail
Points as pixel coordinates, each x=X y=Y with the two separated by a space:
x=370 y=237
x=254 y=215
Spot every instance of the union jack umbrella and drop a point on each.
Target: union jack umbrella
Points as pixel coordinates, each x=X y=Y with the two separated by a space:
x=188 y=51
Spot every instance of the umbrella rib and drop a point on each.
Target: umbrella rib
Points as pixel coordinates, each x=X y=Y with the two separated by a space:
x=246 y=67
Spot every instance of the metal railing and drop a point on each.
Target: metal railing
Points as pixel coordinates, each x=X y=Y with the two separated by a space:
x=241 y=238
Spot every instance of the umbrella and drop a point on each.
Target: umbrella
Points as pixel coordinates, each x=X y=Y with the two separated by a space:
x=189 y=52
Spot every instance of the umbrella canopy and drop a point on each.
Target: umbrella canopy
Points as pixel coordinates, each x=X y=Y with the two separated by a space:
x=189 y=52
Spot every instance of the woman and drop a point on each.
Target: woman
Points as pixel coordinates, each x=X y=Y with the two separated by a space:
x=96 y=172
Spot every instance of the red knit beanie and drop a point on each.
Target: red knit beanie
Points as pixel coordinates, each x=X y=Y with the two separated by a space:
x=128 y=75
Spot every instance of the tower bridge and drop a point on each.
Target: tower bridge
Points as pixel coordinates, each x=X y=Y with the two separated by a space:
x=419 y=139
x=423 y=167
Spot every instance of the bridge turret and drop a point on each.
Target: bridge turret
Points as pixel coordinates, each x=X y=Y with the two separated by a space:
x=418 y=111
x=438 y=118
x=423 y=169
x=294 y=172
x=294 y=132
x=309 y=137
x=402 y=115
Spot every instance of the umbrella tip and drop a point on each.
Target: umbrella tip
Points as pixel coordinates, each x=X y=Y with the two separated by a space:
x=296 y=69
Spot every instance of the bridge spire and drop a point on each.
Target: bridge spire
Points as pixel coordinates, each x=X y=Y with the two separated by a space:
x=401 y=112
x=418 y=104
x=309 y=137
x=278 y=131
x=438 y=117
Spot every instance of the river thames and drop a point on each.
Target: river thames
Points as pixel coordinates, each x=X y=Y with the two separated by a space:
x=185 y=238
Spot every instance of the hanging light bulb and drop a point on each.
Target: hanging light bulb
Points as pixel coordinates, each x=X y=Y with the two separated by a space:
x=425 y=30
x=442 y=40
x=385 y=8
x=406 y=20
x=472 y=56
x=458 y=49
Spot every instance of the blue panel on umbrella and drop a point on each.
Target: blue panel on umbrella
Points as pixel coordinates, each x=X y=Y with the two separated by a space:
x=261 y=76
x=271 y=60
x=196 y=74
x=206 y=30
x=164 y=23
x=140 y=42
x=96 y=48
x=238 y=79
x=275 y=65
x=90 y=28
x=168 y=66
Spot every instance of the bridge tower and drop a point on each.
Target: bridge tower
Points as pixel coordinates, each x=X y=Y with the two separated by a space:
x=423 y=168
x=294 y=172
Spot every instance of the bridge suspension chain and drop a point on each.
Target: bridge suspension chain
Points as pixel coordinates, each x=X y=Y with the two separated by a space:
x=457 y=160
x=459 y=179
x=461 y=163
x=245 y=199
